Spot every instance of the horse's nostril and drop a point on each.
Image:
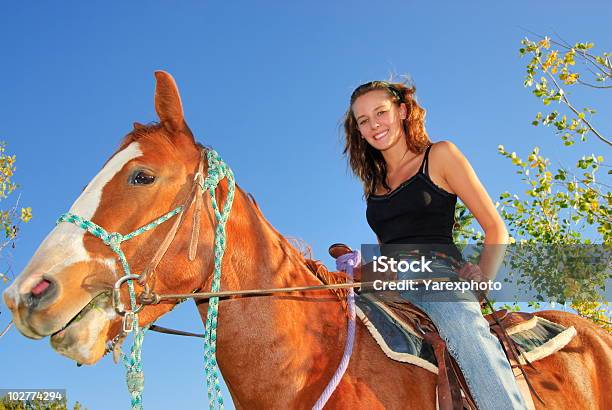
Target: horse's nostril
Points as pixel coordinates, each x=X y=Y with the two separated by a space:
x=40 y=288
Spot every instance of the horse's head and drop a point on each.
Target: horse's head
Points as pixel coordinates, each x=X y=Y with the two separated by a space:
x=64 y=290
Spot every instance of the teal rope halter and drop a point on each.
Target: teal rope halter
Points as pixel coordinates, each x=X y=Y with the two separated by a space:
x=217 y=170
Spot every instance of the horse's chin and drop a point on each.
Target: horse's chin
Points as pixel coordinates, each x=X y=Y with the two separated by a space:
x=83 y=339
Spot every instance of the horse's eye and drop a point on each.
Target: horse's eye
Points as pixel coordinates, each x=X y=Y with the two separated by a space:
x=142 y=178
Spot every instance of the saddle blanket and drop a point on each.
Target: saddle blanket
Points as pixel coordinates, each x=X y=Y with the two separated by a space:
x=536 y=338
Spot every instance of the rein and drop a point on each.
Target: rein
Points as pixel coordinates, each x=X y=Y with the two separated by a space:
x=153 y=298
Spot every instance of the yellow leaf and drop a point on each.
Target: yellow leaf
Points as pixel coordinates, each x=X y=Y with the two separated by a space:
x=550 y=60
x=26 y=214
x=545 y=43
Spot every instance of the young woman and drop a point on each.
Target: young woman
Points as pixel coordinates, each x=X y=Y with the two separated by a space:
x=411 y=187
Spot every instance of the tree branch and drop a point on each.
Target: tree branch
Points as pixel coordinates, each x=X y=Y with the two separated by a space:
x=571 y=107
x=6 y=329
x=594 y=86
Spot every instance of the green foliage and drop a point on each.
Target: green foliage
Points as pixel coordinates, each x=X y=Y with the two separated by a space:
x=12 y=216
x=557 y=69
x=511 y=308
x=38 y=404
x=464 y=231
x=560 y=205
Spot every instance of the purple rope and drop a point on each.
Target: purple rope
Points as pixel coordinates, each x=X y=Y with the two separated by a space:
x=345 y=263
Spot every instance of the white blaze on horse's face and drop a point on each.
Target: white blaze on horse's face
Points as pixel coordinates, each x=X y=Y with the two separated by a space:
x=64 y=245
x=87 y=203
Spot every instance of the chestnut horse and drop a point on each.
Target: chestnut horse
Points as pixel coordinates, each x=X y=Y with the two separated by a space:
x=275 y=351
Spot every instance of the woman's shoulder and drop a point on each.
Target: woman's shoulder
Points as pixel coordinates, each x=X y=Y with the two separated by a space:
x=444 y=150
x=448 y=158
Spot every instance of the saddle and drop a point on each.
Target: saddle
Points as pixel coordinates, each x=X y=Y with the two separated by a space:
x=390 y=318
x=453 y=391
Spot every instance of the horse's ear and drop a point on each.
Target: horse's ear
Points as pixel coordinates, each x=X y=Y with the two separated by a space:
x=168 y=102
x=139 y=126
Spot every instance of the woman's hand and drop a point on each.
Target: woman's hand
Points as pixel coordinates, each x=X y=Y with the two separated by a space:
x=469 y=271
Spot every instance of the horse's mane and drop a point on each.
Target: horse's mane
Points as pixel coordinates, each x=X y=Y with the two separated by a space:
x=329 y=278
x=299 y=249
x=319 y=269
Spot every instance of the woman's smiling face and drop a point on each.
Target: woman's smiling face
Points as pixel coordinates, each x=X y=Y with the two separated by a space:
x=379 y=119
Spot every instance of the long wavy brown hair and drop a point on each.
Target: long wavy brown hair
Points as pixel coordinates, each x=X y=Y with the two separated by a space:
x=366 y=162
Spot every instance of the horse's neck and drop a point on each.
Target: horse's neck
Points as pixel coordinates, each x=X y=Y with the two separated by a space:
x=270 y=348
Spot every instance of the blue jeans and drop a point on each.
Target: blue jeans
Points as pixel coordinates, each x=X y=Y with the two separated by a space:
x=466 y=332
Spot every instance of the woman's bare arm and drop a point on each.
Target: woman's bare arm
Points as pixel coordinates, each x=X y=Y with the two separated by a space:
x=460 y=176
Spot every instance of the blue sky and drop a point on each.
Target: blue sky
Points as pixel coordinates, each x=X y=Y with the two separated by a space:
x=265 y=83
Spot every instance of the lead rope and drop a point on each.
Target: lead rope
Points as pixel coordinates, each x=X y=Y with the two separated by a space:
x=346 y=263
x=217 y=170
x=134 y=376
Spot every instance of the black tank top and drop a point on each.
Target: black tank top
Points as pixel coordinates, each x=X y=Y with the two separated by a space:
x=416 y=212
